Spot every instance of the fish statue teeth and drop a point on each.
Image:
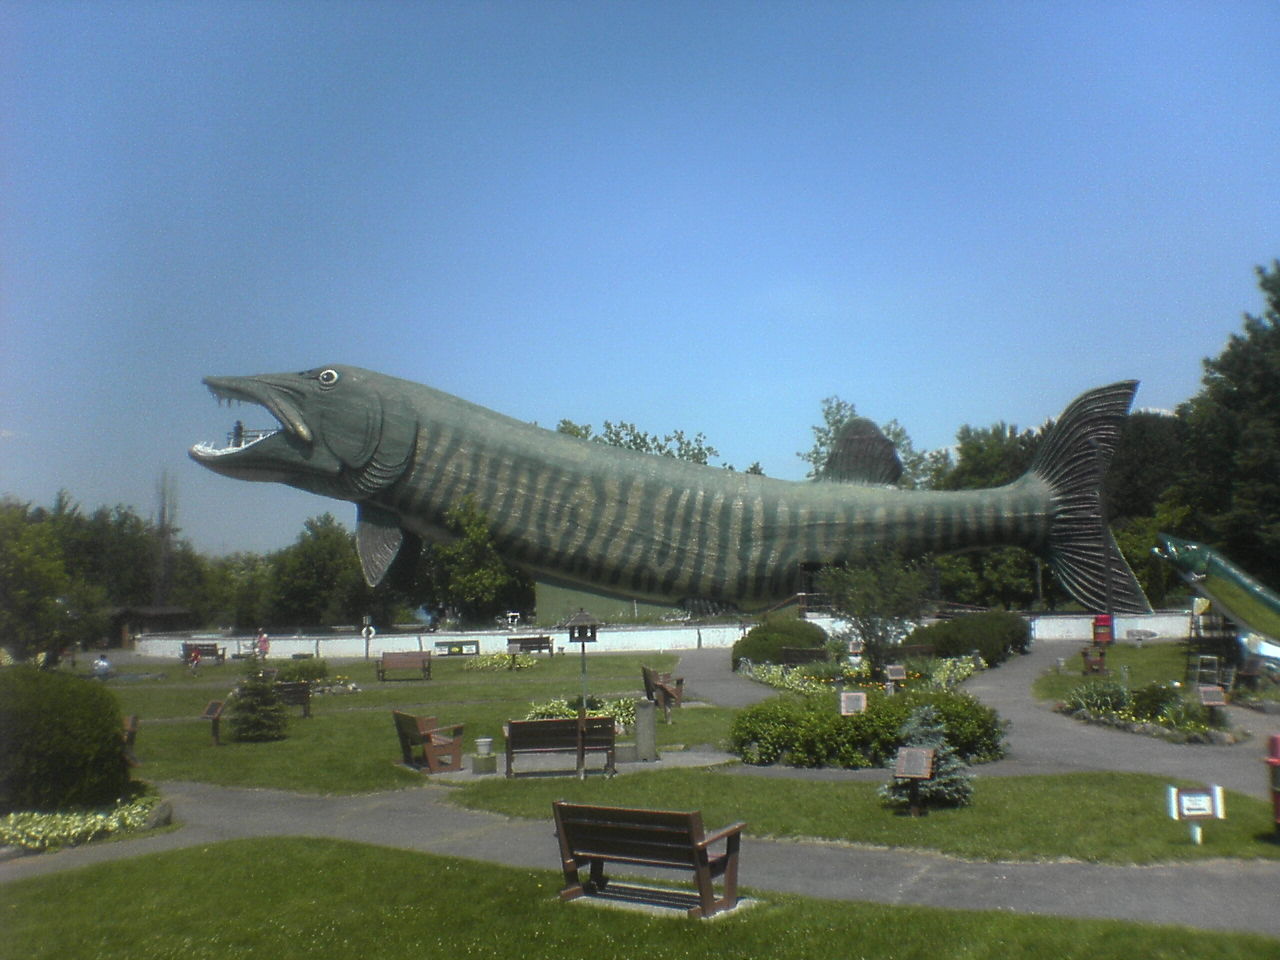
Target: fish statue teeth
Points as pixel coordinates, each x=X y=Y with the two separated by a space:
x=635 y=525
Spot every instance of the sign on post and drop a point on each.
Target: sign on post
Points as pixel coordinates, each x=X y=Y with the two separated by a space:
x=913 y=763
x=1194 y=804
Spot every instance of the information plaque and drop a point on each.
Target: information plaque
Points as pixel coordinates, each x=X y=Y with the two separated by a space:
x=895 y=671
x=914 y=763
x=853 y=702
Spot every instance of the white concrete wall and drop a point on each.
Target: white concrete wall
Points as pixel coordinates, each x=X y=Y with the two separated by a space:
x=1047 y=627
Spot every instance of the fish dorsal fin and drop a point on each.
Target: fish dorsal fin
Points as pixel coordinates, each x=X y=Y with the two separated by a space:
x=861 y=454
x=378 y=540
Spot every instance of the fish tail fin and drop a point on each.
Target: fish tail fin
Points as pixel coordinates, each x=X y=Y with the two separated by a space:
x=1072 y=459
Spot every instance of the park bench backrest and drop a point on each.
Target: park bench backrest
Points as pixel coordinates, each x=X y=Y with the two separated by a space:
x=396 y=660
x=559 y=733
x=650 y=837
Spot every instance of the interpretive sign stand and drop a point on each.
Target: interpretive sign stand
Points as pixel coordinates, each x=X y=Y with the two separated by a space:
x=213 y=713
x=1196 y=804
x=914 y=764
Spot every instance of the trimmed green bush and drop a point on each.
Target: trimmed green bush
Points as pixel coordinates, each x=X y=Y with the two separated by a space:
x=995 y=635
x=809 y=731
x=60 y=742
x=311 y=670
x=1154 y=700
x=764 y=642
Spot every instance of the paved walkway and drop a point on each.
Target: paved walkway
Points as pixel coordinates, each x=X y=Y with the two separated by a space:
x=1216 y=895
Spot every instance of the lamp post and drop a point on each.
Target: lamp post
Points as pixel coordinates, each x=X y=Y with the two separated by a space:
x=582 y=630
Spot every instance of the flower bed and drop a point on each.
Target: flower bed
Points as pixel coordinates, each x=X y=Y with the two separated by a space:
x=1154 y=710
x=49 y=831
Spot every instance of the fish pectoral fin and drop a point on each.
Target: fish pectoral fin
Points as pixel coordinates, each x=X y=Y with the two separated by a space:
x=862 y=454
x=378 y=540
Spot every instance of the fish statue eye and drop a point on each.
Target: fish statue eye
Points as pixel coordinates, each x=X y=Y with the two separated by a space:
x=328 y=378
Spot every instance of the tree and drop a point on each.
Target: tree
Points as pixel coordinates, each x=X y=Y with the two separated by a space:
x=835 y=414
x=630 y=437
x=881 y=599
x=45 y=608
x=318 y=580
x=1232 y=478
x=468 y=574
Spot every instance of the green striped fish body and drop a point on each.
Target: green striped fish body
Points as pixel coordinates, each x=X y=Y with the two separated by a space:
x=645 y=526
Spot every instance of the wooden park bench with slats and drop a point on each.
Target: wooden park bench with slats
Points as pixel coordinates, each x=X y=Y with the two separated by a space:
x=596 y=735
x=423 y=743
x=295 y=694
x=592 y=836
x=419 y=660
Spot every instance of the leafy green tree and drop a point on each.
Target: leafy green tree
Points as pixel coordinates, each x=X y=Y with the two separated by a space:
x=1232 y=477
x=469 y=576
x=881 y=599
x=44 y=607
x=318 y=580
x=628 y=436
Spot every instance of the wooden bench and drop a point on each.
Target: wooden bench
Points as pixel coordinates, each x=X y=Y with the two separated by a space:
x=531 y=645
x=592 y=836
x=596 y=735
x=419 y=660
x=425 y=743
x=295 y=694
x=207 y=651
x=663 y=689
x=1095 y=660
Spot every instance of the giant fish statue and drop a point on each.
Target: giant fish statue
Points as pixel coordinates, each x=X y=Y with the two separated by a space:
x=577 y=513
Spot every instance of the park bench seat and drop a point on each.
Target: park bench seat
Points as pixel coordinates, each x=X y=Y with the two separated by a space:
x=531 y=645
x=295 y=694
x=591 y=836
x=1095 y=660
x=424 y=743
x=208 y=651
x=419 y=660
x=578 y=736
x=664 y=690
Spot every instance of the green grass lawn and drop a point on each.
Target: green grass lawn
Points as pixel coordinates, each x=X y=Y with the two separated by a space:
x=295 y=897
x=1102 y=817
x=1151 y=662
x=349 y=743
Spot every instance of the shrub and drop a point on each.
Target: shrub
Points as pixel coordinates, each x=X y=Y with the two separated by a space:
x=995 y=635
x=60 y=742
x=491 y=662
x=622 y=710
x=309 y=670
x=1098 y=696
x=257 y=715
x=809 y=732
x=764 y=642
x=1154 y=700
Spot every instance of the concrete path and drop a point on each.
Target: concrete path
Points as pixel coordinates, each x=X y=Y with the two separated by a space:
x=1215 y=895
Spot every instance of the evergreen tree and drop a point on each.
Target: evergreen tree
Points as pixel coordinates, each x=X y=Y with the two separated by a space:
x=951 y=784
x=256 y=713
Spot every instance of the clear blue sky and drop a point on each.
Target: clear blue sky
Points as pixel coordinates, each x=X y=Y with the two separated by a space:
x=684 y=214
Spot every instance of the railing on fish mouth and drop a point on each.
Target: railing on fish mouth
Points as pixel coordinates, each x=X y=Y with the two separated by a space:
x=240 y=437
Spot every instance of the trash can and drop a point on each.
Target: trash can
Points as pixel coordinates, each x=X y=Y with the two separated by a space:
x=1102 y=629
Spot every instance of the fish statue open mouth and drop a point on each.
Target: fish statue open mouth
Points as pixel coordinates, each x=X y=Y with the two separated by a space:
x=634 y=525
